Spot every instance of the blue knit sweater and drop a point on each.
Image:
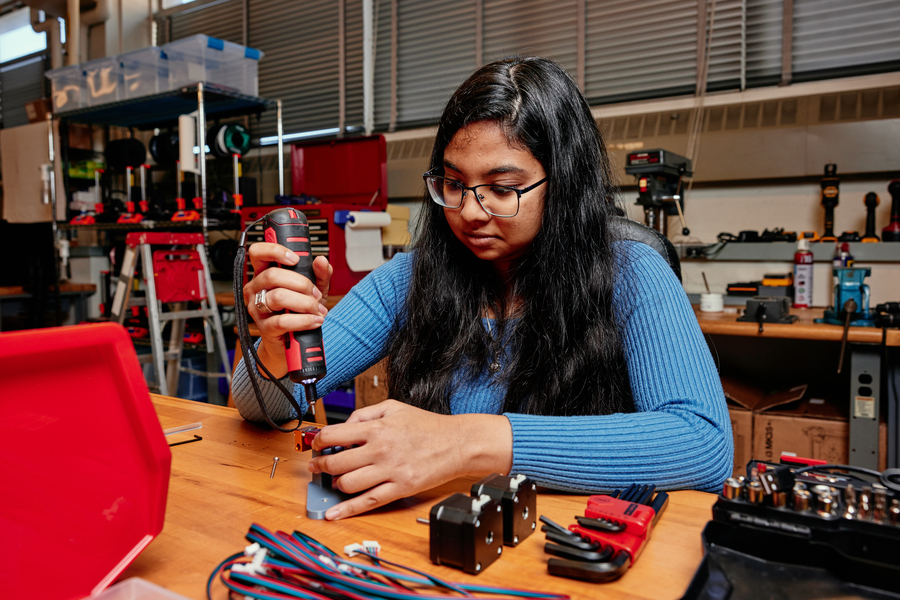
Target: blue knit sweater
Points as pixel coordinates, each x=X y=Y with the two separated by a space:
x=680 y=436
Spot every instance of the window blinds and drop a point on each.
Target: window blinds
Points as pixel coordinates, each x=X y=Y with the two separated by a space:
x=20 y=82
x=425 y=49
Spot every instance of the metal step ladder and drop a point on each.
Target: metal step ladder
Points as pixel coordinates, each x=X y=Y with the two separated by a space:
x=172 y=289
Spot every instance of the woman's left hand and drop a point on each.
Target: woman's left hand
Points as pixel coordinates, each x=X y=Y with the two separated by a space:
x=402 y=450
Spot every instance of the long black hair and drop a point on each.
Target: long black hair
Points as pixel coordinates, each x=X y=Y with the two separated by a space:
x=557 y=316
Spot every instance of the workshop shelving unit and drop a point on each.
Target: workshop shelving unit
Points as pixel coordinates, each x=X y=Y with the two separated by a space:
x=869 y=358
x=784 y=251
x=162 y=110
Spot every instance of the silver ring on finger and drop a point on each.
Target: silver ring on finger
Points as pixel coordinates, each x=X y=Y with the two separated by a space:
x=261 y=305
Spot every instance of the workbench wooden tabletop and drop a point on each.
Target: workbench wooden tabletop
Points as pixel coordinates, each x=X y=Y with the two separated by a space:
x=220 y=485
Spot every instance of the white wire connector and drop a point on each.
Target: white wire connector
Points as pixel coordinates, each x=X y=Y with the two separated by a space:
x=327 y=560
x=372 y=547
x=352 y=550
x=255 y=566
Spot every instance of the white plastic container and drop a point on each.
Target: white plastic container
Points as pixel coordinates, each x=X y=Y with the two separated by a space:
x=712 y=303
x=102 y=81
x=67 y=88
x=214 y=61
x=144 y=72
x=137 y=589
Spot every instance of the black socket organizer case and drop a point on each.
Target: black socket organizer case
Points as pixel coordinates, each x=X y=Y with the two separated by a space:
x=757 y=550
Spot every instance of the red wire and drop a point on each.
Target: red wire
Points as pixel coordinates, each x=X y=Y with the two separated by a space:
x=310 y=571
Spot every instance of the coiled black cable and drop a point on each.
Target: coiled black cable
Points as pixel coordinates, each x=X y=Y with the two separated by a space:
x=885 y=478
x=247 y=346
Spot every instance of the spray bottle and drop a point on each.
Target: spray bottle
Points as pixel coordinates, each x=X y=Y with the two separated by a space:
x=847 y=259
x=803 y=275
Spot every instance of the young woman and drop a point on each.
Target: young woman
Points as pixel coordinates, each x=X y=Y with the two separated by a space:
x=522 y=336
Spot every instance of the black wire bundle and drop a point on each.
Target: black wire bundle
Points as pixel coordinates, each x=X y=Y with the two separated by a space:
x=249 y=349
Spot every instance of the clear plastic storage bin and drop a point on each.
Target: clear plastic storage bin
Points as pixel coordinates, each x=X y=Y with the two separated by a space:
x=137 y=589
x=67 y=88
x=102 y=81
x=211 y=60
x=144 y=72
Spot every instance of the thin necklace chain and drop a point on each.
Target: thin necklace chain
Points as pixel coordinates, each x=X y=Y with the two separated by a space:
x=494 y=367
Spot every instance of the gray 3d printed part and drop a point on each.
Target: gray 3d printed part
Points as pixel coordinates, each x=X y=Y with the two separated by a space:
x=319 y=499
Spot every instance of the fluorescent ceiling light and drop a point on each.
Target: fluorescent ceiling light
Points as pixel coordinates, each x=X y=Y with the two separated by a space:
x=273 y=139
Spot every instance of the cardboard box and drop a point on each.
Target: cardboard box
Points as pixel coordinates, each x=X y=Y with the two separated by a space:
x=397 y=233
x=80 y=137
x=371 y=386
x=743 y=402
x=37 y=110
x=742 y=430
x=811 y=429
x=767 y=424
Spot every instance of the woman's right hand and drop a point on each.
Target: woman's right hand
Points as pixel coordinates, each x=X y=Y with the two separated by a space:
x=286 y=290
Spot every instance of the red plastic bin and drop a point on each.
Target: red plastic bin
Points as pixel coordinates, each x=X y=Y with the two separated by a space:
x=85 y=466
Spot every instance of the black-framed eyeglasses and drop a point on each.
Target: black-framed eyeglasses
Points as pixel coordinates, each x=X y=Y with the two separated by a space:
x=496 y=200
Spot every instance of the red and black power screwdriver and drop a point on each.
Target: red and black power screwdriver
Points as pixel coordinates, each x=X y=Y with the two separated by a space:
x=304 y=350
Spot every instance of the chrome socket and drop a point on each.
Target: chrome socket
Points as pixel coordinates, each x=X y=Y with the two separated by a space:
x=850 y=502
x=879 y=514
x=733 y=488
x=801 y=500
x=864 y=507
x=755 y=493
x=827 y=507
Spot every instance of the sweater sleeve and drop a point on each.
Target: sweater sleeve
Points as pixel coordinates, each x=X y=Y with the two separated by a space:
x=355 y=335
x=680 y=436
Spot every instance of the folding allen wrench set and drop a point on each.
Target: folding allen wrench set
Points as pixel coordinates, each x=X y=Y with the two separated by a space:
x=609 y=538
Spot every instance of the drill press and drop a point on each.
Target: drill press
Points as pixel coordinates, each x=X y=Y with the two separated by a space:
x=659 y=175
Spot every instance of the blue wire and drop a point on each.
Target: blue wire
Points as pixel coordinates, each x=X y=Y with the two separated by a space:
x=302 y=545
x=256 y=593
x=425 y=579
x=216 y=570
x=289 y=590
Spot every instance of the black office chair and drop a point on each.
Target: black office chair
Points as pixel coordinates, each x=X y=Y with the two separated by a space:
x=627 y=229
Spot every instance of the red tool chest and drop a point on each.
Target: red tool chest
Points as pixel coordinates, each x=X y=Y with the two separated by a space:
x=345 y=175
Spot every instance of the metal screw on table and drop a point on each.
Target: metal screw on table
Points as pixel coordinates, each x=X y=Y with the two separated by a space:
x=274 y=464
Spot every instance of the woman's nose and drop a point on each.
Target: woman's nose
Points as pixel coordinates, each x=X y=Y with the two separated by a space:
x=471 y=209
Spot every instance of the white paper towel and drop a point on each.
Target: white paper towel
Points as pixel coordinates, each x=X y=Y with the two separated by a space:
x=363 y=239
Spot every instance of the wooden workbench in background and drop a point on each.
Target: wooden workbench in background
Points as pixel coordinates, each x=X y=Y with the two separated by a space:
x=808 y=352
x=220 y=485
x=804 y=328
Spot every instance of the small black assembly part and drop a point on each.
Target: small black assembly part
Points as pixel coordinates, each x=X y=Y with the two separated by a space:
x=517 y=495
x=466 y=533
x=197 y=438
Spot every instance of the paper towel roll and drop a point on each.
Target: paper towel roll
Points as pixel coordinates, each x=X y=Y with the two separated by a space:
x=363 y=239
x=368 y=220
